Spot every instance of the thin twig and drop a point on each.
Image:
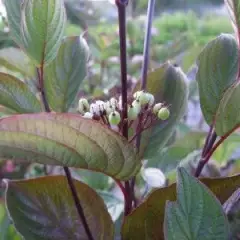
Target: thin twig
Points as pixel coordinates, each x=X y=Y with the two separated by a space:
x=135 y=201
x=122 y=188
x=41 y=88
x=121 y=5
x=207 y=139
x=210 y=143
x=123 y=57
x=147 y=43
x=66 y=169
x=77 y=203
x=205 y=160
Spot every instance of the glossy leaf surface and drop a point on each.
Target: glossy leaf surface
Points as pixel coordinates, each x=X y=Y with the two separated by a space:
x=147 y=220
x=16 y=95
x=67 y=140
x=217 y=71
x=196 y=215
x=65 y=73
x=42 y=29
x=45 y=210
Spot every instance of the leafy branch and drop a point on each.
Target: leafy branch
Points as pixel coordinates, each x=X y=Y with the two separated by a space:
x=211 y=148
x=71 y=185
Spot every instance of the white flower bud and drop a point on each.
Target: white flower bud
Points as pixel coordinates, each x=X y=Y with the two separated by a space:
x=137 y=94
x=101 y=105
x=108 y=107
x=83 y=105
x=150 y=98
x=114 y=102
x=157 y=107
x=120 y=103
x=94 y=109
x=136 y=104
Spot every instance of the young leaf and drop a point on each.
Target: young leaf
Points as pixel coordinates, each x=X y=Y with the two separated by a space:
x=15 y=60
x=152 y=210
x=167 y=84
x=228 y=114
x=42 y=29
x=13 y=8
x=196 y=215
x=67 y=140
x=15 y=95
x=45 y=210
x=217 y=71
x=65 y=73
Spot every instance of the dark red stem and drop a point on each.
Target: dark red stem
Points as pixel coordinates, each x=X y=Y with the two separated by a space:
x=77 y=203
x=66 y=169
x=208 y=155
x=147 y=41
x=123 y=59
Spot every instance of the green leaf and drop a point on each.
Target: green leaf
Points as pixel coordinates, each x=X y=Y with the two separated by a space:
x=42 y=27
x=64 y=75
x=152 y=210
x=15 y=95
x=68 y=140
x=168 y=158
x=227 y=148
x=15 y=60
x=45 y=210
x=217 y=71
x=197 y=214
x=167 y=84
x=13 y=8
x=228 y=114
x=232 y=209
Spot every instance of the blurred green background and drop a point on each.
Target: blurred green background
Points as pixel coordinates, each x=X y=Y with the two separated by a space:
x=181 y=28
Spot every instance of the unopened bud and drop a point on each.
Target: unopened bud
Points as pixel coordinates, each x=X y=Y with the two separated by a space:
x=101 y=105
x=150 y=98
x=94 y=109
x=114 y=102
x=157 y=107
x=143 y=98
x=83 y=105
x=163 y=113
x=136 y=104
x=137 y=94
x=133 y=113
x=114 y=118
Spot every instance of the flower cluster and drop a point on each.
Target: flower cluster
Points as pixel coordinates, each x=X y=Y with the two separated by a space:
x=142 y=107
